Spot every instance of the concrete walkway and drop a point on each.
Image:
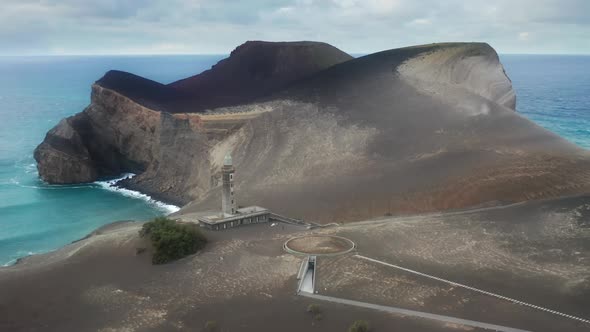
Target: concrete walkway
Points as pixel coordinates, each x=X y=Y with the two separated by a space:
x=474 y=289
x=414 y=313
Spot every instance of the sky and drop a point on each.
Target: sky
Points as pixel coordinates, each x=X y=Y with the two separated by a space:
x=39 y=27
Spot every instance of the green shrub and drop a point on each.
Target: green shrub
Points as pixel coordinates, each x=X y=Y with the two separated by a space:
x=314 y=309
x=359 y=326
x=171 y=240
x=211 y=326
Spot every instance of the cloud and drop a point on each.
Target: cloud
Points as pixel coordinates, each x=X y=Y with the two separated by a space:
x=420 y=21
x=358 y=26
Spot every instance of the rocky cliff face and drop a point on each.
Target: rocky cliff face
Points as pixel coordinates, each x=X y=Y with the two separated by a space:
x=64 y=155
x=407 y=130
x=115 y=135
x=137 y=125
x=461 y=67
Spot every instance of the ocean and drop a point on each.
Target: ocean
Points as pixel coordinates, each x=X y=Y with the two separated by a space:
x=36 y=92
x=554 y=92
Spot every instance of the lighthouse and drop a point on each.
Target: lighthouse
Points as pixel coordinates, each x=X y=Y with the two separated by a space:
x=228 y=201
x=230 y=216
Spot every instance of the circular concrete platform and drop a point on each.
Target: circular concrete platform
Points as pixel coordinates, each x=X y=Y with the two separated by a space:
x=319 y=245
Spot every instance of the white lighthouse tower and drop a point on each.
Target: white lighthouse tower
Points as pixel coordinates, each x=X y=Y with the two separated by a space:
x=228 y=201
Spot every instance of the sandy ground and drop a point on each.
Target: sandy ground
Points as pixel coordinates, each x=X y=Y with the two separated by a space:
x=243 y=280
x=536 y=252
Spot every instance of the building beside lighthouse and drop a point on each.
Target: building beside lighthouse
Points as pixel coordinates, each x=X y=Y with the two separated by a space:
x=231 y=216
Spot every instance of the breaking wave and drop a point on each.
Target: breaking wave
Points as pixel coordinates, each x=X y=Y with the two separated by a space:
x=21 y=255
x=111 y=185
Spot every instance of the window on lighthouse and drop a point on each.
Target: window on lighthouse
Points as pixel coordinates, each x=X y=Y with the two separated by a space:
x=231 y=177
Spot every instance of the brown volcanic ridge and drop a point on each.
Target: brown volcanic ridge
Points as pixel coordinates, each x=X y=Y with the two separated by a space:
x=316 y=134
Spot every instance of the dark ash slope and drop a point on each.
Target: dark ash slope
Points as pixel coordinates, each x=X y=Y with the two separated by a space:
x=415 y=129
x=253 y=70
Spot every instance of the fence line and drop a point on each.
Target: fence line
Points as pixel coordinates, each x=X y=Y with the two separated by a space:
x=475 y=289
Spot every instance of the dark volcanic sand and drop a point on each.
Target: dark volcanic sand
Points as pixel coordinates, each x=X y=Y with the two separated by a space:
x=537 y=252
x=108 y=288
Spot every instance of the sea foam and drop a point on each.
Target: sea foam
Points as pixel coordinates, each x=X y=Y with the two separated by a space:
x=111 y=185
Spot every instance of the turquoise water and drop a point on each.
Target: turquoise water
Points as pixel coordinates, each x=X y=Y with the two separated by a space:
x=36 y=92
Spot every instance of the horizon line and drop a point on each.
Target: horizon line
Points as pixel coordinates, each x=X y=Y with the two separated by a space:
x=225 y=54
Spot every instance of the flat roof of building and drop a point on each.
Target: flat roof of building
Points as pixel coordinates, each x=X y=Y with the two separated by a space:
x=250 y=211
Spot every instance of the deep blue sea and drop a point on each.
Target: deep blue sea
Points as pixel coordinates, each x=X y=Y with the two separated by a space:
x=554 y=92
x=36 y=92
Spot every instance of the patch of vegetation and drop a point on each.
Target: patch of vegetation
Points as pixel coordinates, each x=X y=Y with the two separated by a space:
x=171 y=240
x=211 y=326
x=359 y=326
x=314 y=309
